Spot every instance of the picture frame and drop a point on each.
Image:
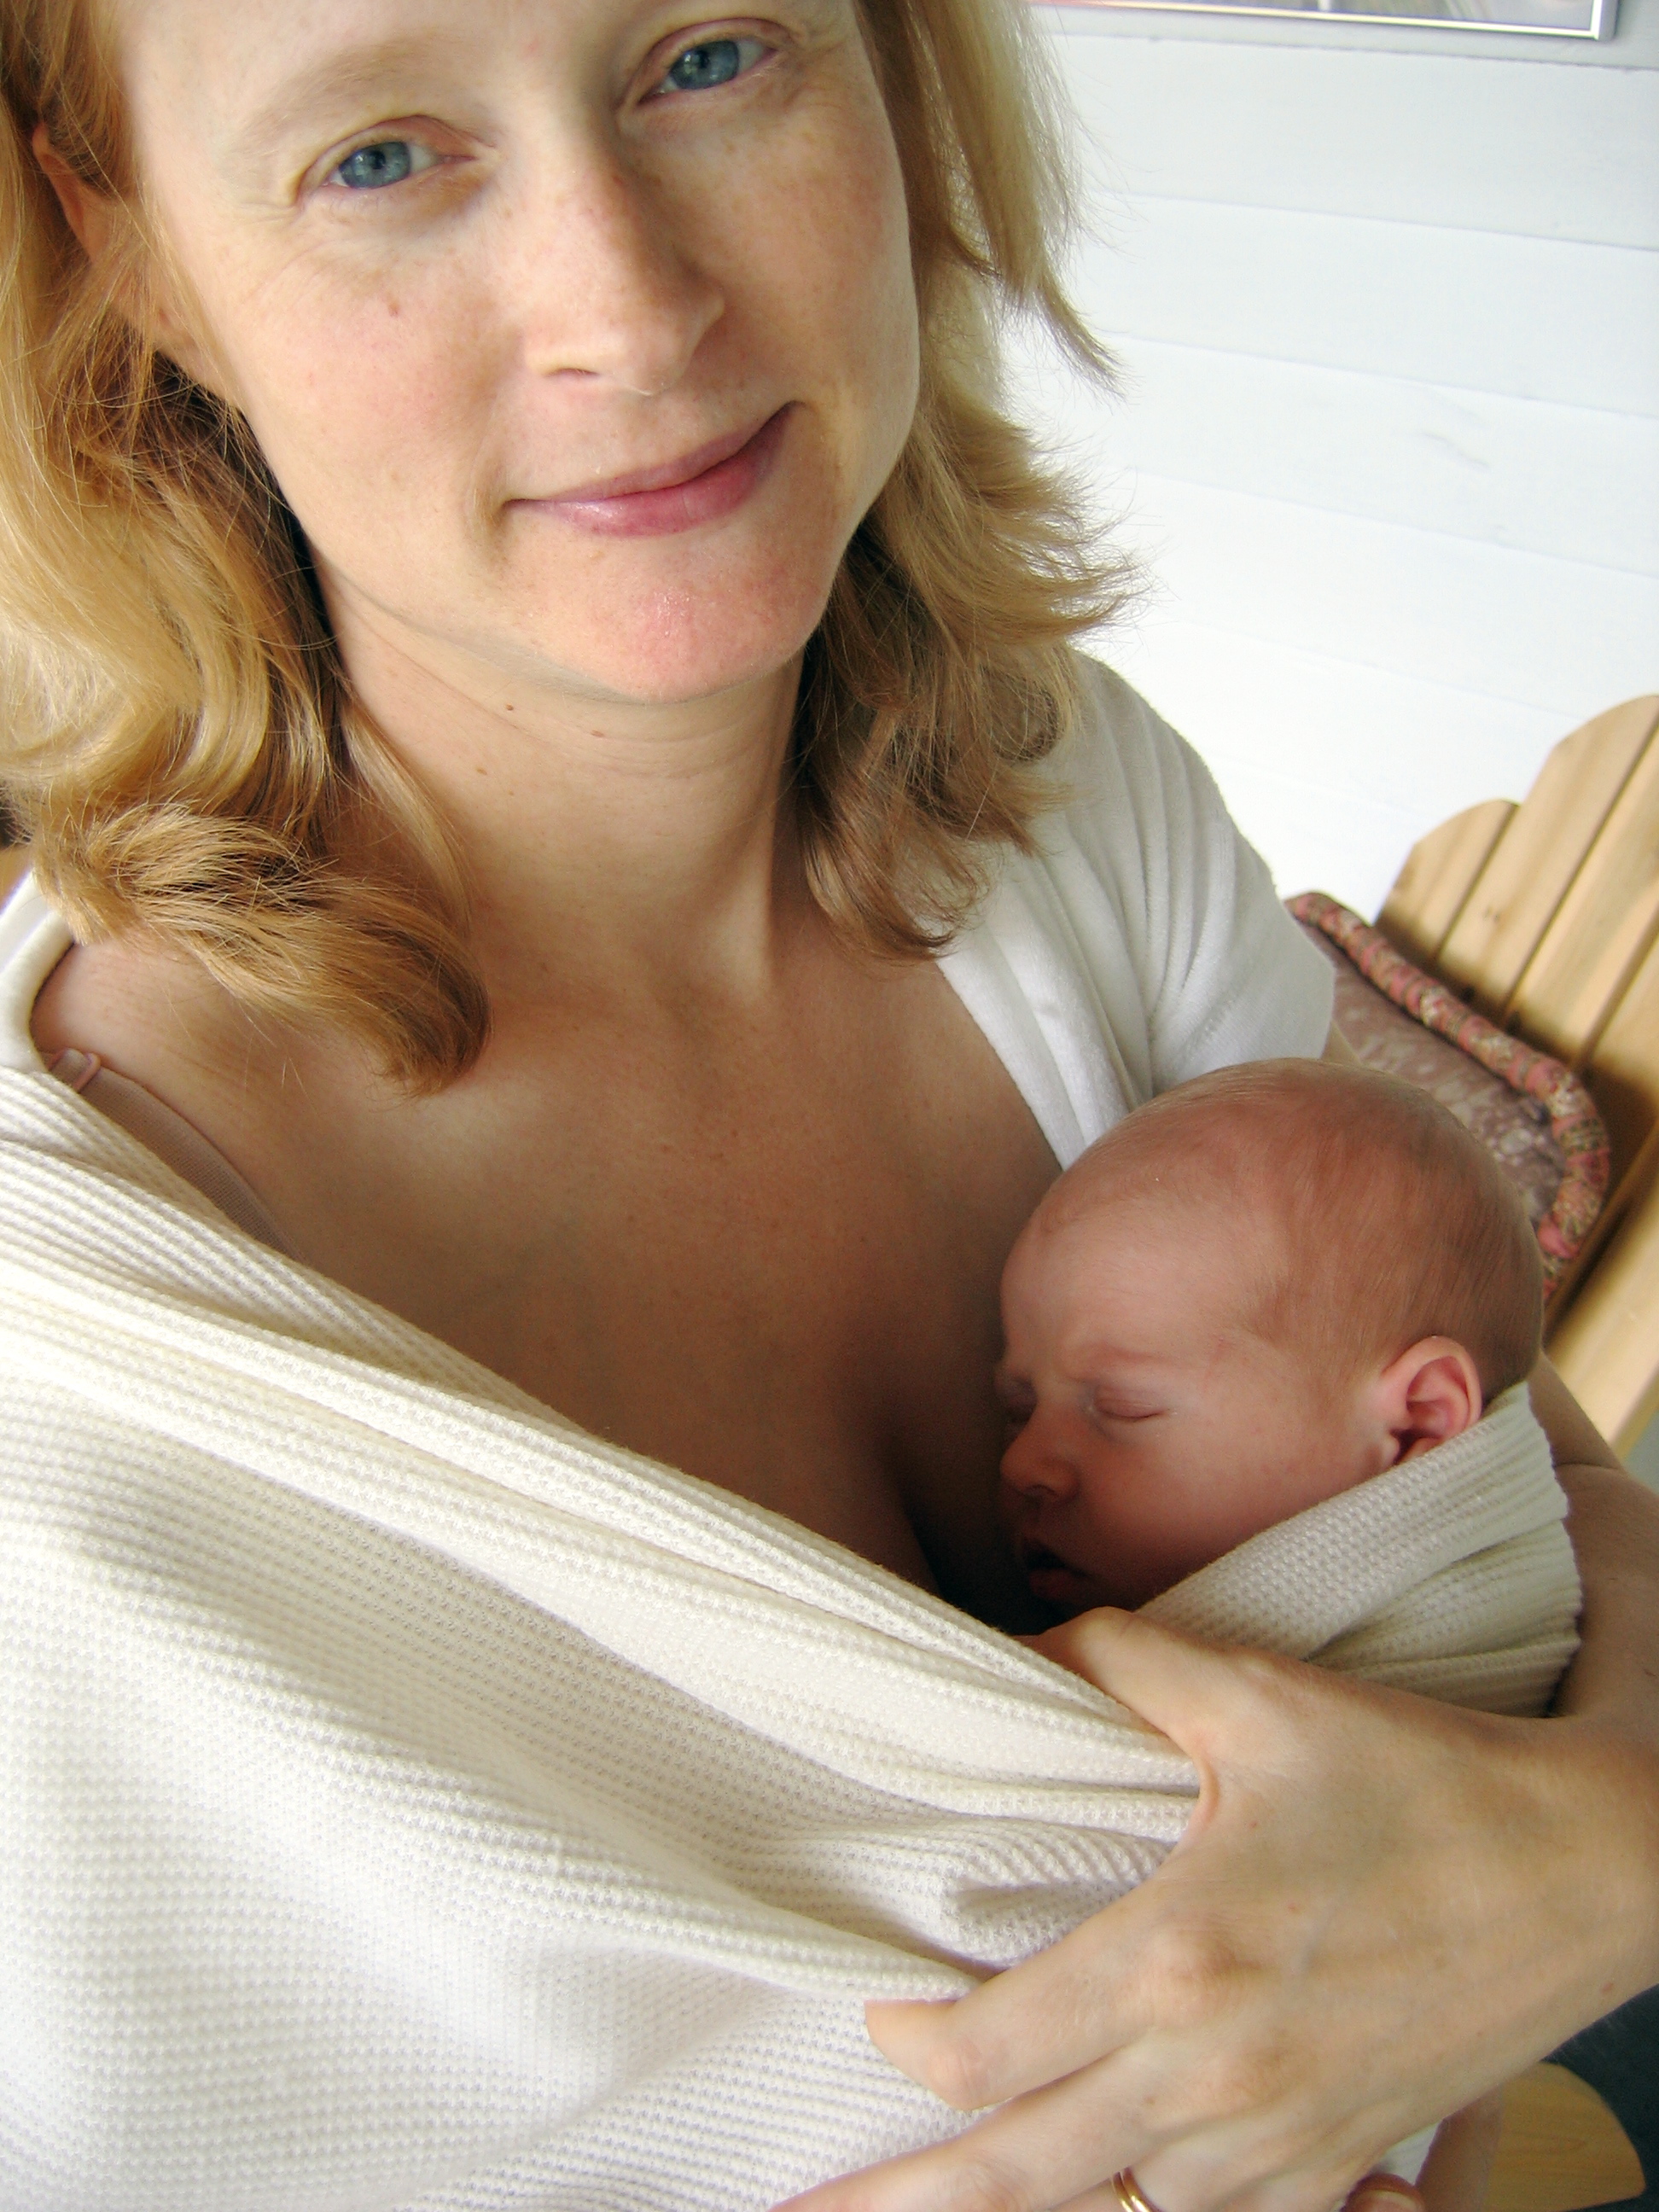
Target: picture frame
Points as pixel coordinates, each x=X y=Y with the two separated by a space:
x=1550 y=19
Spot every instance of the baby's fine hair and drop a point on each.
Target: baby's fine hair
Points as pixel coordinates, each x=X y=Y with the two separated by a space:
x=1385 y=1222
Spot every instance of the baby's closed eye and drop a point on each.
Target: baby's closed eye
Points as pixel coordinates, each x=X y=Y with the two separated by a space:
x=1017 y=1399
x=1125 y=1413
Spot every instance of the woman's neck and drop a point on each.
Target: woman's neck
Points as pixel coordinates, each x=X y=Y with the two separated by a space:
x=646 y=842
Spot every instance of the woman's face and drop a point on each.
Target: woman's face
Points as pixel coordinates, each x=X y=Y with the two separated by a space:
x=579 y=334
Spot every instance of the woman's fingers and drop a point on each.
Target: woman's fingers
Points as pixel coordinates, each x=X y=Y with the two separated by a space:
x=1123 y=1969
x=1380 y=1907
x=1059 y=2147
x=1383 y=2192
x=1204 y=1699
x=1035 y=2154
x=1088 y=1990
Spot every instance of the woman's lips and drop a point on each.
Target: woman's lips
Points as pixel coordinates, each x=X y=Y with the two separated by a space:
x=701 y=487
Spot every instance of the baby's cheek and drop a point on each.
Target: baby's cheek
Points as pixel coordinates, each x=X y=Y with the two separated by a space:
x=1156 y=1517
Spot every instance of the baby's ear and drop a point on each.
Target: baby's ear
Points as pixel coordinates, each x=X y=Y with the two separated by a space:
x=1430 y=1393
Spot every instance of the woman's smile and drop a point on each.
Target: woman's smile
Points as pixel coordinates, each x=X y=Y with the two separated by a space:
x=702 y=486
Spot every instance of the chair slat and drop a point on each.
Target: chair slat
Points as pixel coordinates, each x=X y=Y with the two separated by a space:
x=1606 y=1346
x=1623 y=1073
x=1602 y=929
x=1504 y=916
x=1560 y=2148
x=1623 y=1078
x=1439 y=871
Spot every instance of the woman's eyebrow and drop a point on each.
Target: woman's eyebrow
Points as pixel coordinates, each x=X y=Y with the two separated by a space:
x=337 y=79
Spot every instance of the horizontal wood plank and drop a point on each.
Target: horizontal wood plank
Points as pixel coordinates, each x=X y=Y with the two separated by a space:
x=1536 y=318
x=1390 y=310
x=1553 y=635
x=1332 y=770
x=1406 y=139
x=1575 y=483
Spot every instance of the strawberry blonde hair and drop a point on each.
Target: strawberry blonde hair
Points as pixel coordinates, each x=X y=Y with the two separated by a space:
x=178 y=740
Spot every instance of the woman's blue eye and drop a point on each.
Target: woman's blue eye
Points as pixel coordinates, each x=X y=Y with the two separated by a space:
x=387 y=162
x=698 y=69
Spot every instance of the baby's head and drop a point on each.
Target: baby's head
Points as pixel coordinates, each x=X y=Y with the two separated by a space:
x=1259 y=1290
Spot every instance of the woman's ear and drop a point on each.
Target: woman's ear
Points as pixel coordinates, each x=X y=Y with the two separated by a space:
x=95 y=218
x=90 y=214
x=1430 y=1393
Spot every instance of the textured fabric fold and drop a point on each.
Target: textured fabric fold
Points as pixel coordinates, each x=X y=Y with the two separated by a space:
x=1450 y=1574
x=407 y=1800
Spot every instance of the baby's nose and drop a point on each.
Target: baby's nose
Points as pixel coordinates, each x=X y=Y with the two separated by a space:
x=1035 y=1466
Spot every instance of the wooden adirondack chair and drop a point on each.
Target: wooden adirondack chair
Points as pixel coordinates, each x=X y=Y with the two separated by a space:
x=1546 y=917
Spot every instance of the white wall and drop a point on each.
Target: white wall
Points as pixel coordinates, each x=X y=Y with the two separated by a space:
x=1388 y=302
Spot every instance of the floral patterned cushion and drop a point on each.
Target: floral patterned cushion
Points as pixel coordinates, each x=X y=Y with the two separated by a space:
x=1531 y=1112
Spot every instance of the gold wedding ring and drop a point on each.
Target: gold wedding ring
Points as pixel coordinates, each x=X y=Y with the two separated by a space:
x=1127 y=2190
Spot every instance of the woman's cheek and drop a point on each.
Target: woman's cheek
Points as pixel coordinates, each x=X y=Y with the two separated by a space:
x=830 y=232
x=364 y=409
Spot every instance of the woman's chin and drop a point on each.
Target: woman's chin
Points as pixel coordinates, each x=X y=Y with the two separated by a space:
x=670 y=648
x=674 y=678
x=669 y=619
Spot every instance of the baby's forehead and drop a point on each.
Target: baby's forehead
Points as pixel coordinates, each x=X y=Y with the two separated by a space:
x=1222 y=1236
x=1219 y=1218
x=1180 y=1172
x=1287 y=1140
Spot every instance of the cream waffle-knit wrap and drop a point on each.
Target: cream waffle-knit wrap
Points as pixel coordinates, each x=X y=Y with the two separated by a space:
x=408 y=1799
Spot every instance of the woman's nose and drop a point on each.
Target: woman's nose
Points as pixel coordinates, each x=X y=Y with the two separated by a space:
x=1036 y=1465
x=612 y=293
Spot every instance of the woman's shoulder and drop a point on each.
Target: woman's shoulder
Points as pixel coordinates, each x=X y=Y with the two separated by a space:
x=34 y=940
x=1122 y=777
x=1135 y=818
x=1144 y=857
x=1115 y=719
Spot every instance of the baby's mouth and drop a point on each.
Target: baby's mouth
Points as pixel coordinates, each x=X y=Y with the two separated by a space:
x=1052 y=1579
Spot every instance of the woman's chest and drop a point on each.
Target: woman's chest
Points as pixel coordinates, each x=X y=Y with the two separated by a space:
x=768 y=1256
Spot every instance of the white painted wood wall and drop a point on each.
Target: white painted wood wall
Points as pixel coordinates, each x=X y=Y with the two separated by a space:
x=1387 y=302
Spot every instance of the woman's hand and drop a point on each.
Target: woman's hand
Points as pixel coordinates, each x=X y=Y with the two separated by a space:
x=1381 y=1909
